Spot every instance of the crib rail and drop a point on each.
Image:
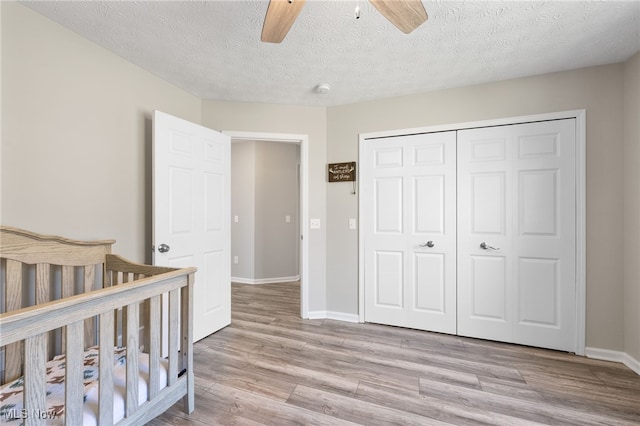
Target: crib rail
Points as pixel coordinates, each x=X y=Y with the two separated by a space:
x=31 y=248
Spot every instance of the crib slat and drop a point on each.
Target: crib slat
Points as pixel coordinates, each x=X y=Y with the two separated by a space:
x=35 y=351
x=74 y=389
x=144 y=325
x=105 y=368
x=14 y=285
x=13 y=352
x=174 y=342
x=68 y=281
x=186 y=352
x=154 y=345
x=89 y=323
x=43 y=281
x=133 y=315
x=43 y=295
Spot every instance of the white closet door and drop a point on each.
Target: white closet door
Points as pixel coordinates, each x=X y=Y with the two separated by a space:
x=516 y=233
x=410 y=231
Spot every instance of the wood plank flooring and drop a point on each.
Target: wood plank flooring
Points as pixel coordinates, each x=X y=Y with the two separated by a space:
x=271 y=367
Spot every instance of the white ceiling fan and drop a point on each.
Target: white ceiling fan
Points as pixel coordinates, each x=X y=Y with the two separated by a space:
x=406 y=15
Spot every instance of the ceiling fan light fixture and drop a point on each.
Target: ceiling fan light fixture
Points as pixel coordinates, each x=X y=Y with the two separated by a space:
x=323 y=88
x=406 y=15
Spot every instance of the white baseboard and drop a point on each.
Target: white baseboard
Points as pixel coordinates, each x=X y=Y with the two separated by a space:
x=615 y=356
x=338 y=316
x=265 y=280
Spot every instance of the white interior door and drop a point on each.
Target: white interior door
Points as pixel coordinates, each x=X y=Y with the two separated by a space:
x=191 y=208
x=517 y=233
x=410 y=231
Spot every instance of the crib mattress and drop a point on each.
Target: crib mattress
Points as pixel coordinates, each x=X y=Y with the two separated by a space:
x=11 y=401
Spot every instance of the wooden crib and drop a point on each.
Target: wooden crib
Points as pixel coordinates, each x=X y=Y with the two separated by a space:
x=63 y=298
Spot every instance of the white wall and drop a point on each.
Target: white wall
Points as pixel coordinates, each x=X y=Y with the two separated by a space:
x=76 y=134
x=598 y=89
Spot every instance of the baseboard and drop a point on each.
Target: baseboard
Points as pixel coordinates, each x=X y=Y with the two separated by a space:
x=338 y=316
x=265 y=280
x=615 y=356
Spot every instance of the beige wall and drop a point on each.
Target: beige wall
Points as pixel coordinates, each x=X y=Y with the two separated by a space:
x=632 y=207
x=311 y=121
x=599 y=90
x=276 y=197
x=75 y=134
x=243 y=205
x=264 y=190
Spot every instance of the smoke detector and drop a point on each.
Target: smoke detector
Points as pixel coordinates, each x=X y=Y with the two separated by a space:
x=323 y=88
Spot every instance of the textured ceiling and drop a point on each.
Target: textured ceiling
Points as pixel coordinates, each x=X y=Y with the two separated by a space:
x=212 y=49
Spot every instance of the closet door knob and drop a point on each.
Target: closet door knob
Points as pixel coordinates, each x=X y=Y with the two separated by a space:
x=427 y=244
x=486 y=246
x=163 y=248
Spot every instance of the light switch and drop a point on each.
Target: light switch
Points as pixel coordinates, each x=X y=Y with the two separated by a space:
x=352 y=223
x=315 y=224
x=235 y=218
x=287 y=218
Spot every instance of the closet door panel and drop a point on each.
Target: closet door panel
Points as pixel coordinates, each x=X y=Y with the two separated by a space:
x=545 y=234
x=409 y=250
x=516 y=208
x=484 y=196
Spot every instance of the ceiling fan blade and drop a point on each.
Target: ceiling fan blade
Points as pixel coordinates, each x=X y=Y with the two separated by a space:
x=407 y=15
x=281 y=14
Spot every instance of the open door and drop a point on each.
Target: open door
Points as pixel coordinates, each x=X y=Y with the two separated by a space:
x=191 y=208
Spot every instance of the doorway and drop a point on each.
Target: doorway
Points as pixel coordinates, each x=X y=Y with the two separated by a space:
x=303 y=199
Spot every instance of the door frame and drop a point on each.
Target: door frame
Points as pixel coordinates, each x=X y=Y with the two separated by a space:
x=303 y=141
x=581 y=206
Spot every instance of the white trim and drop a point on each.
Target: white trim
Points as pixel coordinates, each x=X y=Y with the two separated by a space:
x=581 y=205
x=317 y=315
x=303 y=140
x=581 y=231
x=255 y=281
x=332 y=315
x=476 y=124
x=361 y=209
x=614 y=356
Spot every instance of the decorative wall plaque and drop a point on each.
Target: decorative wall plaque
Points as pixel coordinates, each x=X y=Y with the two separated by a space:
x=342 y=172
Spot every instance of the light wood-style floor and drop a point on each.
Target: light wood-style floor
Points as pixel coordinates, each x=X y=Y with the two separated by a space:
x=271 y=367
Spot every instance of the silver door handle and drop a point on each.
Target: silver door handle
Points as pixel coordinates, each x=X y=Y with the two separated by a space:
x=427 y=244
x=486 y=246
x=163 y=248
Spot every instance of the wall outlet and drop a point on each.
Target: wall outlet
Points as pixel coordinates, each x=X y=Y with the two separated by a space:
x=235 y=259
x=352 y=223
x=287 y=218
x=235 y=218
